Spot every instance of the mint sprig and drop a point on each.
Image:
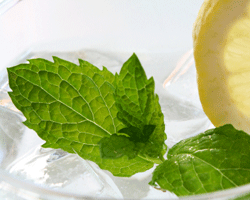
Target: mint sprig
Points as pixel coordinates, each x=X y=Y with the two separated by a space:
x=73 y=108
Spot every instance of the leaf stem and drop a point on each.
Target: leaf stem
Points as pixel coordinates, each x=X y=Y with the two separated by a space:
x=161 y=158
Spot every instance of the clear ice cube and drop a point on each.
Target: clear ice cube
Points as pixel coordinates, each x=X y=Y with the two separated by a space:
x=65 y=172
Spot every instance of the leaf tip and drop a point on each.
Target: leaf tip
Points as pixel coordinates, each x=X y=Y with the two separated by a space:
x=152 y=183
x=56 y=59
x=134 y=54
x=80 y=60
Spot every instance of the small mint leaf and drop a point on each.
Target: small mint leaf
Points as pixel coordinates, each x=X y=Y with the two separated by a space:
x=117 y=146
x=215 y=160
x=131 y=93
x=138 y=106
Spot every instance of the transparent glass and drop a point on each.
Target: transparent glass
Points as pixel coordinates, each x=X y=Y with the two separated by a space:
x=104 y=33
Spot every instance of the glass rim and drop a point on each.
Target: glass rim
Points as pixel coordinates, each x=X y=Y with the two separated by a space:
x=30 y=187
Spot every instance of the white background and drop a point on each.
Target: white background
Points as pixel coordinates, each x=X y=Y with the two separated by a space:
x=113 y=25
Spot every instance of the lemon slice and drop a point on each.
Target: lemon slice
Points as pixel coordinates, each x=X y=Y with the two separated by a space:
x=221 y=39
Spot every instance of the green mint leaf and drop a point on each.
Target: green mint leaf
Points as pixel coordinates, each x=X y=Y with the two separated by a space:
x=71 y=107
x=117 y=146
x=138 y=106
x=215 y=160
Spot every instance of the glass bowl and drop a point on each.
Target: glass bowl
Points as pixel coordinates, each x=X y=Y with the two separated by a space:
x=104 y=33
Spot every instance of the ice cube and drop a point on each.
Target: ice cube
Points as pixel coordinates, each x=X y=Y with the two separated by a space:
x=11 y=131
x=63 y=172
x=135 y=187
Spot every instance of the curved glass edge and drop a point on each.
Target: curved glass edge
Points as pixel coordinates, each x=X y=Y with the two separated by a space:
x=24 y=189
x=10 y=184
x=6 y=5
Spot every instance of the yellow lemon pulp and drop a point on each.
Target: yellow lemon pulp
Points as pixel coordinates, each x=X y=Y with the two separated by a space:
x=221 y=39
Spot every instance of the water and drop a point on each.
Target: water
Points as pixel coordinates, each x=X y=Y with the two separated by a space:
x=20 y=148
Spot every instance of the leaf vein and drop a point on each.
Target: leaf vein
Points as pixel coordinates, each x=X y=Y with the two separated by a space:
x=219 y=170
x=66 y=105
x=106 y=106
